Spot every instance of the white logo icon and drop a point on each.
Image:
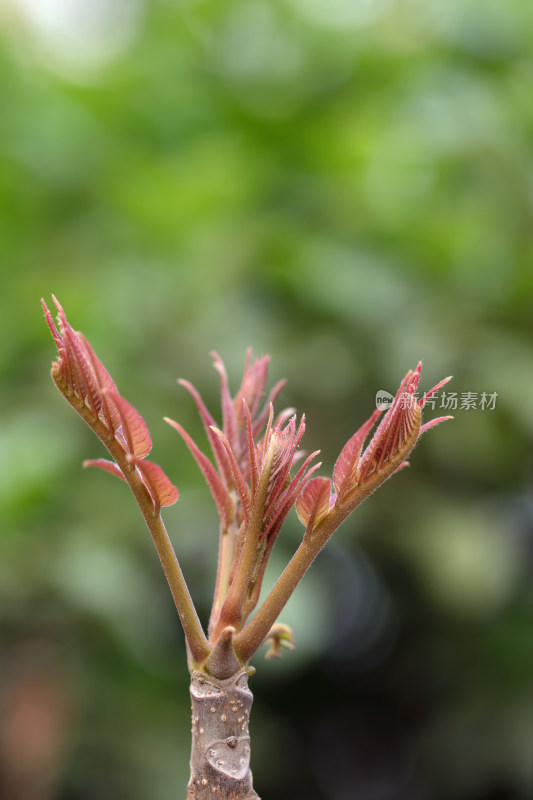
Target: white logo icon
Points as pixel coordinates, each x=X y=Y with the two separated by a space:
x=384 y=399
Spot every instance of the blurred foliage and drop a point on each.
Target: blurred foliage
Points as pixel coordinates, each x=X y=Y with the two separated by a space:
x=347 y=186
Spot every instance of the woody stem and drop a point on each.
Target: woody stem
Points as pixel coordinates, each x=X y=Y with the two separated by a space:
x=220 y=754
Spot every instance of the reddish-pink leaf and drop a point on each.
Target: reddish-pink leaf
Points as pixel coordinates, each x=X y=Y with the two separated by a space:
x=431 y=424
x=345 y=471
x=104 y=378
x=431 y=392
x=74 y=362
x=240 y=483
x=81 y=374
x=253 y=383
x=51 y=324
x=288 y=440
x=162 y=490
x=286 y=503
x=105 y=464
x=313 y=503
x=403 y=465
x=262 y=417
x=252 y=453
x=106 y=383
x=80 y=370
x=218 y=490
x=396 y=429
x=229 y=420
x=134 y=427
x=217 y=447
x=287 y=498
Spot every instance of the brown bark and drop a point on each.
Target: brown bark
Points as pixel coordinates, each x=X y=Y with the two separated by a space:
x=220 y=756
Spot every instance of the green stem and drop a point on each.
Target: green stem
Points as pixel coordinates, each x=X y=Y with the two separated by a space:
x=196 y=639
x=197 y=642
x=226 y=553
x=254 y=633
x=232 y=610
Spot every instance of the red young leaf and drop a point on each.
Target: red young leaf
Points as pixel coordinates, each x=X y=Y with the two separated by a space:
x=403 y=465
x=288 y=496
x=252 y=453
x=105 y=464
x=104 y=378
x=162 y=490
x=134 y=427
x=240 y=483
x=229 y=419
x=431 y=392
x=218 y=490
x=399 y=427
x=345 y=471
x=253 y=383
x=287 y=440
x=74 y=372
x=79 y=373
x=432 y=422
x=109 y=412
x=219 y=451
x=262 y=417
x=51 y=324
x=313 y=503
x=82 y=379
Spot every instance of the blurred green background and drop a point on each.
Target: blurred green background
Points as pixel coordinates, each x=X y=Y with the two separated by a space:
x=348 y=186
